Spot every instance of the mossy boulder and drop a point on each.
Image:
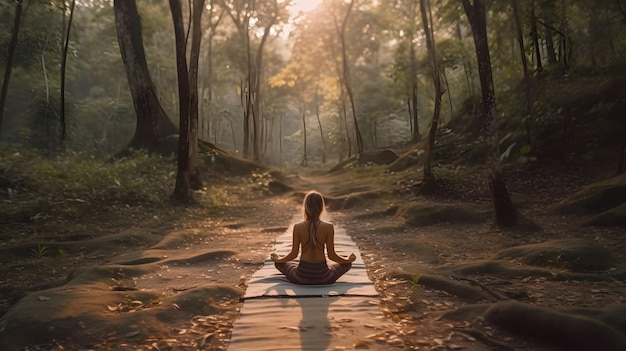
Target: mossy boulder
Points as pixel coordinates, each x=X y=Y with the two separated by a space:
x=378 y=157
x=422 y=214
x=597 y=197
x=577 y=255
x=613 y=217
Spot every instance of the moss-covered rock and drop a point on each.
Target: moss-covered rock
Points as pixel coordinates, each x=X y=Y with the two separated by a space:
x=378 y=157
x=597 y=197
x=577 y=255
x=422 y=214
x=613 y=217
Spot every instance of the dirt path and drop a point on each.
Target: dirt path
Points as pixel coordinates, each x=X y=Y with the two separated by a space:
x=177 y=285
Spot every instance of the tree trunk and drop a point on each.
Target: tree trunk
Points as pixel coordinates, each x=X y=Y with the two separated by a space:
x=346 y=79
x=46 y=82
x=153 y=125
x=621 y=7
x=430 y=44
x=620 y=160
x=195 y=178
x=549 y=11
x=65 y=41
x=506 y=214
x=450 y=104
x=413 y=79
x=9 y=63
x=182 y=191
x=344 y=113
x=304 y=158
x=535 y=35
x=522 y=48
x=209 y=74
x=280 y=140
x=256 y=94
x=319 y=122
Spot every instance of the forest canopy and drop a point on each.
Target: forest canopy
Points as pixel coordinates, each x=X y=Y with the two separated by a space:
x=290 y=88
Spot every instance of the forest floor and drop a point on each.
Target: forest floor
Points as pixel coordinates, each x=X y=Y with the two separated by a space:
x=172 y=279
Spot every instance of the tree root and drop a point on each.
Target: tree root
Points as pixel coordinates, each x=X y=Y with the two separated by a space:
x=485 y=339
x=495 y=294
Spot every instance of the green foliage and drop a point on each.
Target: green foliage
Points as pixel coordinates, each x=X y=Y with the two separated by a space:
x=72 y=179
x=40 y=251
x=415 y=282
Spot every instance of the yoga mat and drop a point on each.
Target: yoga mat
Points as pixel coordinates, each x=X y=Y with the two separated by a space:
x=278 y=315
x=268 y=281
x=310 y=324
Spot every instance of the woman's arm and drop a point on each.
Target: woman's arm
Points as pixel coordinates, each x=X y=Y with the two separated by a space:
x=330 y=247
x=295 y=249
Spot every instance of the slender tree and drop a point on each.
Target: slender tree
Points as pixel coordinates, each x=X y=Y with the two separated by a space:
x=506 y=214
x=319 y=123
x=534 y=32
x=195 y=178
x=520 y=41
x=65 y=41
x=346 y=77
x=182 y=191
x=434 y=66
x=214 y=19
x=256 y=92
x=19 y=7
x=241 y=13
x=304 y=162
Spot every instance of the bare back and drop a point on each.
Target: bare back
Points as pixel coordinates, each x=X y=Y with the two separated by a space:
x=314 y=251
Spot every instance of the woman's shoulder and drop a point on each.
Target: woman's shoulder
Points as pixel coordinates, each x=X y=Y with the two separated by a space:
x=324 y=224
x=303 y=224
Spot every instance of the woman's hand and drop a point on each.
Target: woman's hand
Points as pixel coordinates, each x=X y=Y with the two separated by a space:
x=352 y=257
x=274 y=256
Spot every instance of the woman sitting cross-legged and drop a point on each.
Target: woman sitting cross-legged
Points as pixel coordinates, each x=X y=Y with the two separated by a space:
x=313 y=235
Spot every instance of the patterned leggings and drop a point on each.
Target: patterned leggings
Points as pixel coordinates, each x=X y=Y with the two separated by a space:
x=306 y=273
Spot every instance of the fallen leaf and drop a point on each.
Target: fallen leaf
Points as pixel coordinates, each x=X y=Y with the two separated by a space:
x=362 y=344
x=131 y=334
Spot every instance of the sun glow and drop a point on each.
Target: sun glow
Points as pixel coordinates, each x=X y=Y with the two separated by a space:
x=298 y=6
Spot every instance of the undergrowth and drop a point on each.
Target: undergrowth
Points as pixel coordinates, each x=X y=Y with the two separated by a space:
x=33 y=184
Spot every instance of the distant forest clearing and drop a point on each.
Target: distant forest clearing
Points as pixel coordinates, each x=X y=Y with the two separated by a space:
x=474 y=150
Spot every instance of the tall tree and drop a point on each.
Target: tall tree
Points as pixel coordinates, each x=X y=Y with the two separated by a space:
x=214 y=19
x=153 y=125
x=182 y=191
x=522 y=48
x=241 y=12
x=506 y=214
x=413 y=109
x=405 y=15
x=534 y=32
x=272 y=15
x=195 y=178
x=346 y=77
x=65 y=41
x=19 y=6
x=434 y=66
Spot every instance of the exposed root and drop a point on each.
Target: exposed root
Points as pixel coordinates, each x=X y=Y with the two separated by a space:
x=485 y=339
